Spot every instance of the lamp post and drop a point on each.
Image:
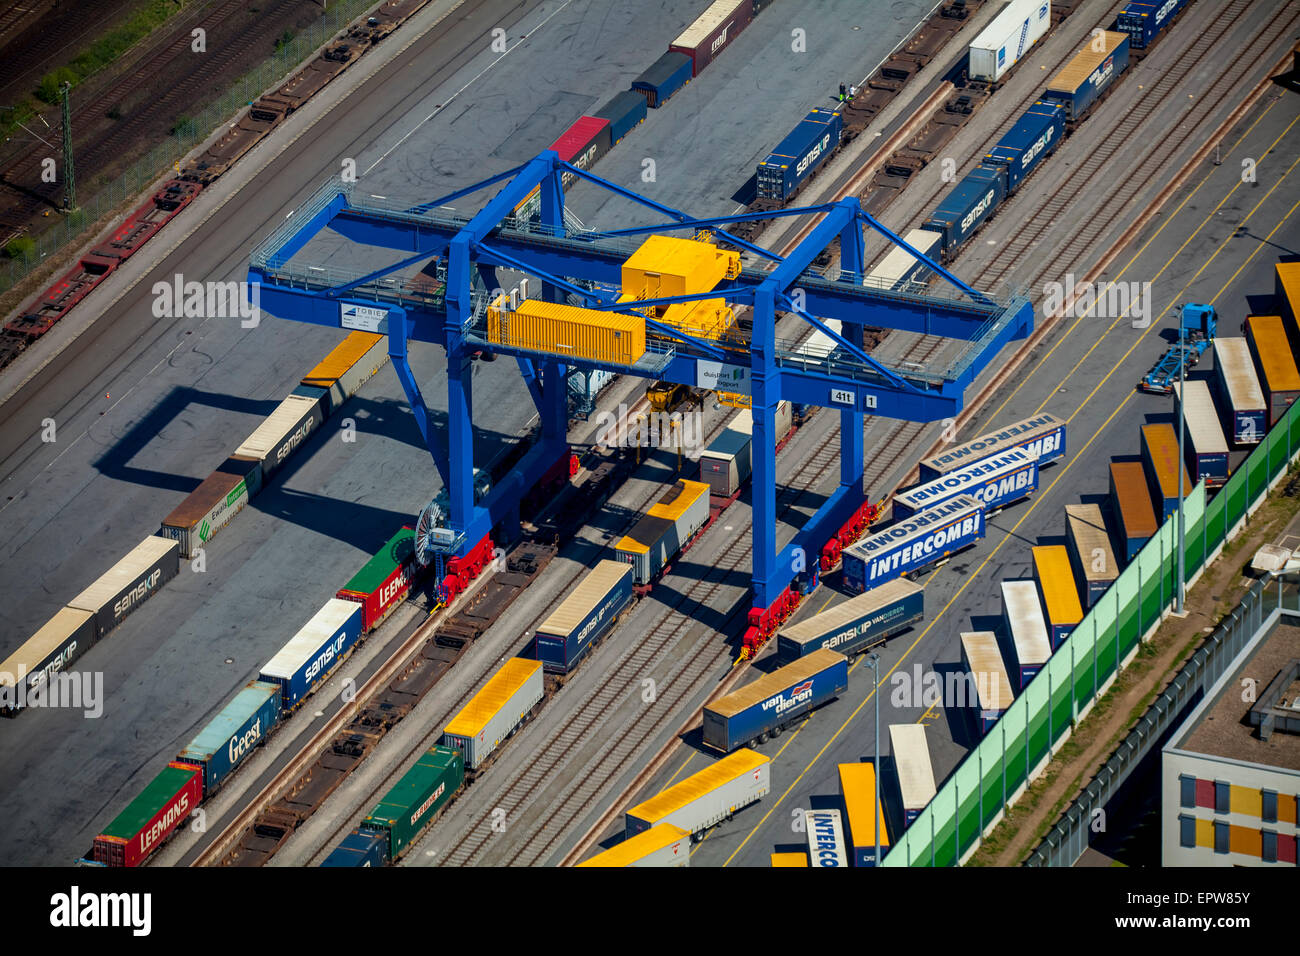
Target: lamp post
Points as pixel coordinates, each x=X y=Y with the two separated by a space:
x=1182 y=468
x=873 y=660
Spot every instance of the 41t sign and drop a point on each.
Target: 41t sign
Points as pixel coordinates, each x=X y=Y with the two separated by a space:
x=845 y=396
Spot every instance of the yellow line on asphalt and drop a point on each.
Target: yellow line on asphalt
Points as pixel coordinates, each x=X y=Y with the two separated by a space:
x=1034 y=504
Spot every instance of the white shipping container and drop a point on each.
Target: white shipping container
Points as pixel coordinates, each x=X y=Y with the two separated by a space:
x=707 y=797
x=495 y=711
x=899 y=269
x=360 y=373
x=282 y=432
x=825 y=839
x=662 y=846
x=1025 y=623
x=1020 y=25
x=911 y=752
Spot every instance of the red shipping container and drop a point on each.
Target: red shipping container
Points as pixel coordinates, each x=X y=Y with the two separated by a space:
x=151 y=817
x=384 y=581
x=582 y=144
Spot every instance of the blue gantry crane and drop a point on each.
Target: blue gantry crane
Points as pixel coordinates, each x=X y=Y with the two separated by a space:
x=465 y=252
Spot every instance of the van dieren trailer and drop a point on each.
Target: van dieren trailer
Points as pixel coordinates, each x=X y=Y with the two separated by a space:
x=774 y=700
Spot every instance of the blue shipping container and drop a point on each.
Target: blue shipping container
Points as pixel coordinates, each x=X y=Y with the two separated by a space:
x=803 y=692
x=971 y=202
x=1034 y=137
x=665 y=77
x=1041 y=437
x=233 y=733
x=995 y=481
x=559 y=648
x=1081 y=95
x=913 y=543
x=624 y=112
x=798 y=155
x=313 y=653
x=360 y=848
x=1144 y=21
x=846 y=630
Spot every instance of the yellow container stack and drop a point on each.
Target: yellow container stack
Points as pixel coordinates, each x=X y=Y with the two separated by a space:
x=666 y=266
x=568 y=331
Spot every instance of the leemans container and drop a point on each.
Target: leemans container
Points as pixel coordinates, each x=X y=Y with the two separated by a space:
x=1090 y=551
x=130 y=582
x=583 y=616
x=914 y=543
x=495 y=711
x=1027 y=646
x=151 y=817
x=856 y=625
x=774 y=700
x=707 y=797
x=1041 y=437
x=384 y=581
x=662 y=845
x=229 y=737
x=1131 y=505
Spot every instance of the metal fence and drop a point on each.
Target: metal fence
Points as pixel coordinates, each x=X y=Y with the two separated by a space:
x=102 y=197
x=1260 y=610
x=1018 y=747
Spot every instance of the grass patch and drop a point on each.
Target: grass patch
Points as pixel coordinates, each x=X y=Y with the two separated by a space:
x=107 y=48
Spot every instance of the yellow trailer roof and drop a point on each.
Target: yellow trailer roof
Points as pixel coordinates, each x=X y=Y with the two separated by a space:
x=790 y=859
x=1085 y=61
x=730 y=767
x=485 y=704
x=1056 y=577
x=778 y=680
x=1288 y=278
x=640 y=846
x=345 y=355
x=688 y=492
x=1274 y=351
x=858 y=787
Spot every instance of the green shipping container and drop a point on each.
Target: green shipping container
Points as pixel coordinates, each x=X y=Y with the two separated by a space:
x=380 y=568
x=416 y=799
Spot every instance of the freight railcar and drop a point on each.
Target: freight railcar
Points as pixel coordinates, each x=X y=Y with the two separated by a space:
x=496 y=711
x=668 y=526
x=781 y=175
x=583 y=617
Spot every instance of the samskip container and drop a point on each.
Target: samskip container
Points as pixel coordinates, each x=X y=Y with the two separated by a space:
x=1032 y=139
x=360 y=848
x=312 y=654
x=857 y=624
x=129 y=583
x=283 y=432
x=52 y=649
x=799 y=155
x=1143 y=22
x=583 y=616
x=968 y=205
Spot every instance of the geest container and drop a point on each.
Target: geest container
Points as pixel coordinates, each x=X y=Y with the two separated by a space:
x=129 y=583
x=1245 y=412
x=1205 y=447
x=666 y=76
x=283 y=431
x=663 y=845
x=384 y=581
x=348 y=366
x=624 y=112
x=495 y=711
x=970 y=202
x=312 y=654
x=983 y=661
x=994 y=481
x=582 y=617
x=774 y=700
x=1027 y=646
x=1089 y=74
x=360 y=848
x=566 y=330
x=1057 y=588
x=1004 y=41
x=151 y=817
x=231 y=736
x=1162 y=467
x=1271 y=348
x=858 y=791
x=825 y=839
x=211 y=505
x=1131 y=505
x=913 y=543
x=416 y=799
x=798 y=155
x=1032 y=139
x=725 y=465
x=706 y=797
x=1041 y=437
x=1143 y=22
x=1090 y=551
x=911 y=752
x=713 y=31
x=858 y=624
x=668 y=524
x=53 y=648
